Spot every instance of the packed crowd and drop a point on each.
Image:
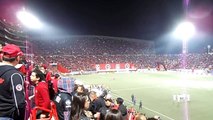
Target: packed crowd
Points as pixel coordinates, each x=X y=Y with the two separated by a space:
x=141 y=61
x=92 y=45
x=81 y=53
x=54 y=95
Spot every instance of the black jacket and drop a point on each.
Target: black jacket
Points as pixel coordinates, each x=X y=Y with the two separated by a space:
x=63 y=104
x=12 y=95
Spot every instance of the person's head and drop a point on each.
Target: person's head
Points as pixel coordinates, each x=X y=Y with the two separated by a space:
x=86 y=102
x=80 y=89
x=43 y=68
x=37 y=76
x=113 y=115
x=108 y=100
x=57 y=76
x=92 y=95
x=119 y=101
x=11 y=53
x=140 y=116
x=104 y=93
x=79 y=104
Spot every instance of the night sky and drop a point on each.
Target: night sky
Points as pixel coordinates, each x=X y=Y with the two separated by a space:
x=152 y=20
x=142 y=19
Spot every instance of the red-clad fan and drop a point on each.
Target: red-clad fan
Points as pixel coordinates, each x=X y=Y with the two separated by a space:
x=48 y=78
x=42 y=98
x=47 y=73
x=55 y=82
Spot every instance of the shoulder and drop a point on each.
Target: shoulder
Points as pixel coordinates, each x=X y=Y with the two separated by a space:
x=84 y=117
x=41 y=85
x=65 y=96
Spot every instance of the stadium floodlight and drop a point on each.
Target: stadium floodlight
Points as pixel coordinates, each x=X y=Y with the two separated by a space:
x=29 y=20
x=185 y=30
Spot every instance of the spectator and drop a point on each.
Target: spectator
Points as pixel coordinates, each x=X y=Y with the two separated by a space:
x=121 y=107
x=55 y=82
x=12 y=96
x=63 y=98
x=93 y=97
x=42 y=98
x=80 y=89
x=79 y=108
x=107 y=106
x=113 y=115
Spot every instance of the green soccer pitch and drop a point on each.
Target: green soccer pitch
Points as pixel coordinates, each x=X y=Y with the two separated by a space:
x=156 y=91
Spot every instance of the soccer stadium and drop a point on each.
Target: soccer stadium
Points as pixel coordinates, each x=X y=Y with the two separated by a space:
x=102 y=77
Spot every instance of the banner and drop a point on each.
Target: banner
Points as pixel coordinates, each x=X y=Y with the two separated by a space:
x=62 y=69
x=114 y=67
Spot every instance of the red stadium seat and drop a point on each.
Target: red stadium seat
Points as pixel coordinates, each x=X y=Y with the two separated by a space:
x=52 y=112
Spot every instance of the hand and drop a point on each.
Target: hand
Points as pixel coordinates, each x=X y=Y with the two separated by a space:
x=42 y=116
x=97 y=115
x=31 y=97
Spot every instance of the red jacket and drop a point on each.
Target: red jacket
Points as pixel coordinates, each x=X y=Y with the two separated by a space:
x=48 y=76
x=55 y=85
x=42 y=98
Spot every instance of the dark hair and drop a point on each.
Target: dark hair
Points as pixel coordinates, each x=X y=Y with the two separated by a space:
x=119 y=100
x=77 y=106
x=82 y=88
x=152 y=118
x=9 y=59
x=57 y=76
x=39 y=74
x=104 y=93
x=114 y=115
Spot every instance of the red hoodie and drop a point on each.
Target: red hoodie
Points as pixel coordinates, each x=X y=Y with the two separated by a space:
x=42 y=98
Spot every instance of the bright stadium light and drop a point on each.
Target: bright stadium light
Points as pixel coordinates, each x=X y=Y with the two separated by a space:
x=29 y=20
x=185 y=30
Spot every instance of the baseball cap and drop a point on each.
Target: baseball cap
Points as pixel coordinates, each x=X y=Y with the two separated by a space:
x=11 y=50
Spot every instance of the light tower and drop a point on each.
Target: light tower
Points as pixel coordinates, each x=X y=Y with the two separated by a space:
x=184 y=32
x=28 y=19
